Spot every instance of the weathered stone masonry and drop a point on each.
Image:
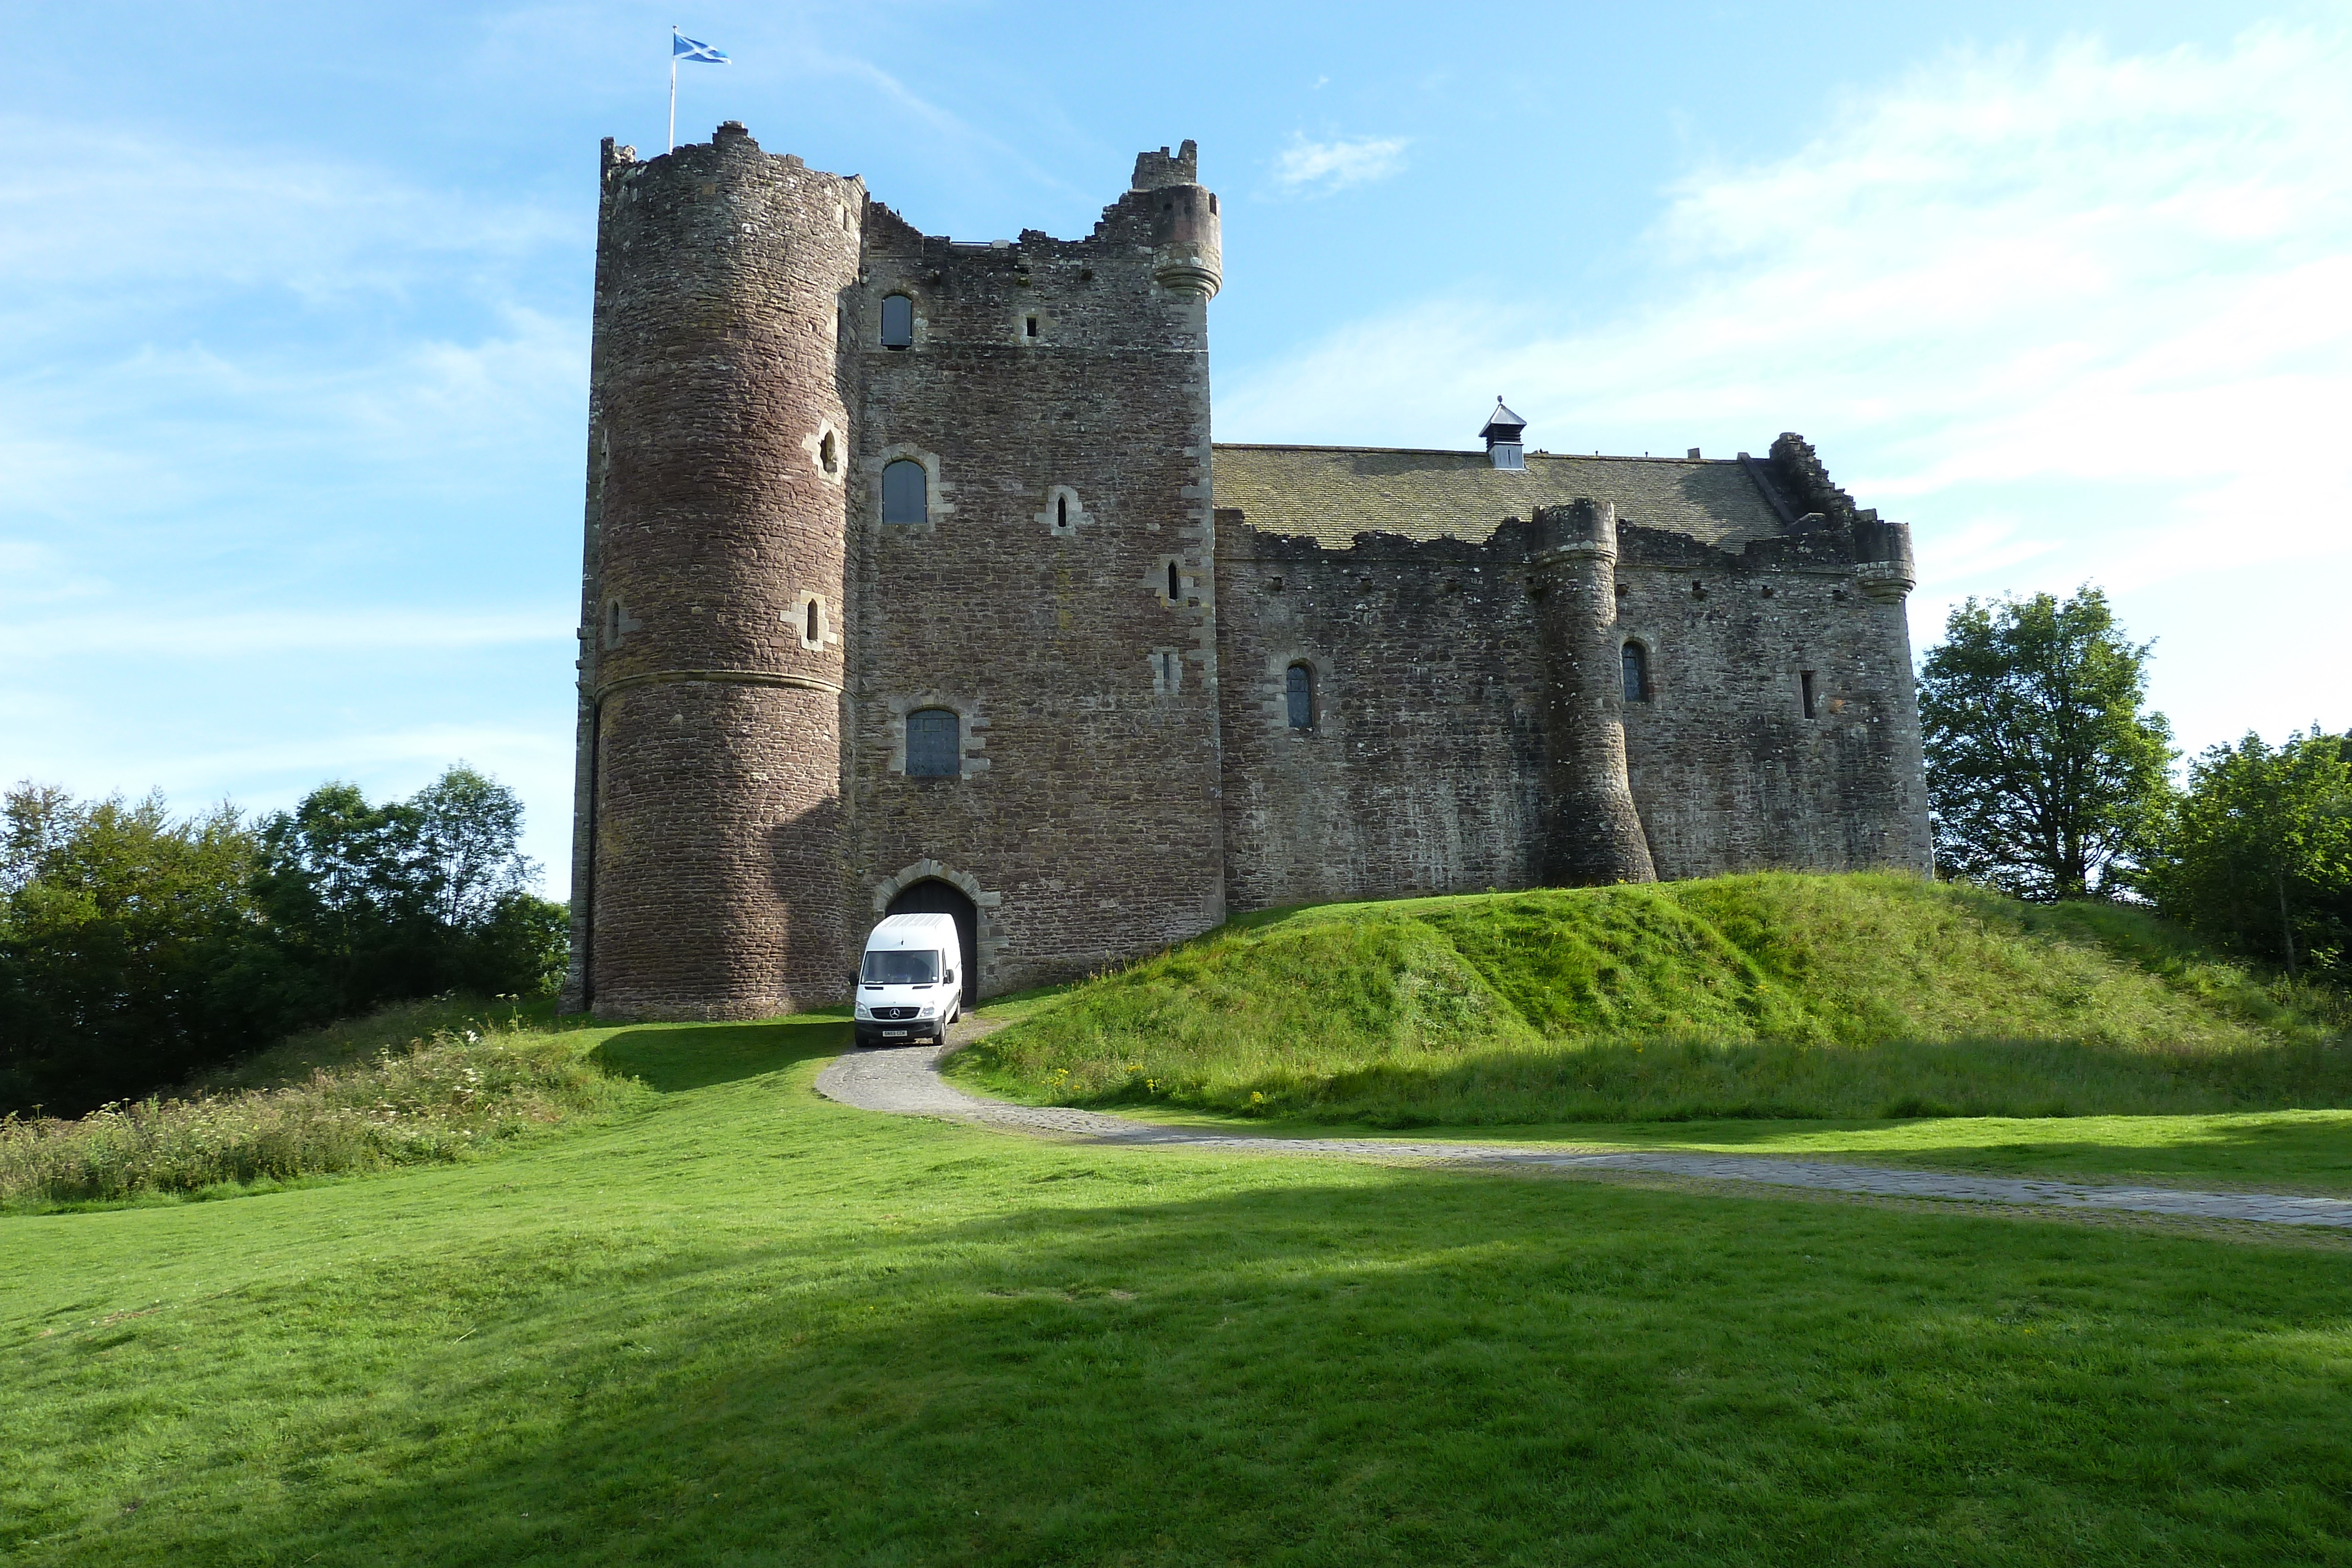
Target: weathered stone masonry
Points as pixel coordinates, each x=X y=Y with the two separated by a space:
x=1104 y=613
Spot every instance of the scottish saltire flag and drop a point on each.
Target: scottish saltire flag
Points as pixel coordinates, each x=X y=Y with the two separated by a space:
x=682 y=47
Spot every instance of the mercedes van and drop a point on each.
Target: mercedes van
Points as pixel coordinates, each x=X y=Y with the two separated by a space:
x=911 y=985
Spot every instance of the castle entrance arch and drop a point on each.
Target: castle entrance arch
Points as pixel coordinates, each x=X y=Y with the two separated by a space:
x=932 y=897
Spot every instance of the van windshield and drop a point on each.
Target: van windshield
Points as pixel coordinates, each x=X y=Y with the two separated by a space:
x=902 y=967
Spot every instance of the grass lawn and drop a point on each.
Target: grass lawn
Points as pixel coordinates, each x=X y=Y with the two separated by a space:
x=2307 y=1152
x=733 y=1323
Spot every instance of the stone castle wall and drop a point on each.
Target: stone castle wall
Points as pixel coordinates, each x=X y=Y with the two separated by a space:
x=755 y=634
x=1057 y=393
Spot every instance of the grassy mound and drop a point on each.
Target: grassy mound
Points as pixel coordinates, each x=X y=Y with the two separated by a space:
x=1762 y=996
x=416 y=1084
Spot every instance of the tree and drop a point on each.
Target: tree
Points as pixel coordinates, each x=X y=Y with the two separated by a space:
x=136 y=951
x=116 y=925
x=409 y=898
x=2044 y=771
x=2257 y=855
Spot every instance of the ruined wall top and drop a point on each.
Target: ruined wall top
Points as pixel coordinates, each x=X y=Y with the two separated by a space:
x=1154 y=170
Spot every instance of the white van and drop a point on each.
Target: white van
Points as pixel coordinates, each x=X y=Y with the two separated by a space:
x=911 y=985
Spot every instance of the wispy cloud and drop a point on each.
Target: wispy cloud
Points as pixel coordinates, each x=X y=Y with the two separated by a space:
x=2126 y=281
x=135 y=634
x=1315 y=168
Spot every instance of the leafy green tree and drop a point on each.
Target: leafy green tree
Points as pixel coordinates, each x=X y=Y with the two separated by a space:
x=2045 y=770
x=2257 y=855
x=409 y=898
x=136 y=951
x=116 y=927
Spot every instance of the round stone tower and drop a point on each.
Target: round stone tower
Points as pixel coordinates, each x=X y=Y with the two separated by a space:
x=709 y=840
x=1593 y=833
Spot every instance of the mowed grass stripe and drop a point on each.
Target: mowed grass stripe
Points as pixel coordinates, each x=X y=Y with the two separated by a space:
x=744 y=1325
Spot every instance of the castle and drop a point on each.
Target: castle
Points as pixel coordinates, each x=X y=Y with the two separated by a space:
x=914 y=581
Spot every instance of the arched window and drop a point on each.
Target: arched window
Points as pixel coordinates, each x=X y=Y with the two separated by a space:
x=1175 y=588
x=828 y=452
x=934 y=743
x=1061 y=511
x=898 y=322
x=905 y=497
x=1299 y=690
x=613 y=624
x=815 y=633
x=1637 y=673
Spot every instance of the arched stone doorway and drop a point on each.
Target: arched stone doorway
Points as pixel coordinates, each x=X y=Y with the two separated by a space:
x=932 y=897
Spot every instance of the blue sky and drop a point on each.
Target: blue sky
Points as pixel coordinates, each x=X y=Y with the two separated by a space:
x=294 y=305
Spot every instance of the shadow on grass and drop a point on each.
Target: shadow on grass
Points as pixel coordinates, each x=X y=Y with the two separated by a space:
x=1093 y=1378
x=1664 y=1080
x=672 y=1059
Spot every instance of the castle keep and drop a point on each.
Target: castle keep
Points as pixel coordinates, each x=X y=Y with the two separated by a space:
x=914 y=581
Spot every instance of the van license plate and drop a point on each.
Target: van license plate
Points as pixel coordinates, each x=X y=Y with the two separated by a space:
x=894 y=1034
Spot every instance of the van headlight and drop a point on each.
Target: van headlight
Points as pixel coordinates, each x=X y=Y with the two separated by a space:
x=864 y=1012
x=927 y=1010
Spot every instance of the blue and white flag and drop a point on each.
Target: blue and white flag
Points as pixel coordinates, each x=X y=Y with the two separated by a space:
x=682 y=47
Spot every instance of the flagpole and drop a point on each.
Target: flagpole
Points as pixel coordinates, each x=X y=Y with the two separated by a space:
x=673 y=90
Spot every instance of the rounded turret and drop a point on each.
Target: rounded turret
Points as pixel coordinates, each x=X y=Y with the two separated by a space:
x=712 y=638
x=1188 y=253
x=1593 y=833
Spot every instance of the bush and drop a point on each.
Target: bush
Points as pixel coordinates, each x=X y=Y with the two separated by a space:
x=443 y=1096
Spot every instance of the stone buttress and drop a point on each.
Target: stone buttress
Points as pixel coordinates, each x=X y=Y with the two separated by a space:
x=1592 y=833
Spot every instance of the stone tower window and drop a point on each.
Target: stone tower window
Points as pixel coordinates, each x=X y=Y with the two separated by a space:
x=1298 y=692
x=905 y=497
x=1637 y=673
x=1061 y=511
x=1029 y=327
x=898 y=322
x=613 y=620
x=828 y=452
x=1805 y=690
x=815 y=629
x=934 y=744
x=1175 y=586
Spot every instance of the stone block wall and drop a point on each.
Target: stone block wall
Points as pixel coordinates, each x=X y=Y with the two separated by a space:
x=1057 y=394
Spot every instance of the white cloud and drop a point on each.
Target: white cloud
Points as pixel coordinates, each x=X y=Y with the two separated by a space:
x=2100 y=270
x=129 y=634
x=1321 y=167
x=2076 y=316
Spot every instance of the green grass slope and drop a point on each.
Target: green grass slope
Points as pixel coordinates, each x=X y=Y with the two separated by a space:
x=1766 y=996
x=735 y=1324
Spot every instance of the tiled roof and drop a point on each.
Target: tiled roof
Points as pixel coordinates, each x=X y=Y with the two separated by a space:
x=1333 y=493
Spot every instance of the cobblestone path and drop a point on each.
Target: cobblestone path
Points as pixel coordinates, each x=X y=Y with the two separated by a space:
x=906 y=1080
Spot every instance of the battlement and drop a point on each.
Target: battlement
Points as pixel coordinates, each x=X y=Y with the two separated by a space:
x=1155 y=169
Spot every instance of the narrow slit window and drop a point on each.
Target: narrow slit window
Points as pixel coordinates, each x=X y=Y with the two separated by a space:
x=1805 y=690
x=1061 y=511
x=815 y=633
x=1299 y=692
x=1029 y=327
x=613 y=624
x=906 y=493
x=934 y=743
x=1175 y=588
x=828 y=452
x=898 y=322
x=1637 y=673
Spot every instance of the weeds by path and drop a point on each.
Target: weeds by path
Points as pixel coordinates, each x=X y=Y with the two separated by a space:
x=464 y=1087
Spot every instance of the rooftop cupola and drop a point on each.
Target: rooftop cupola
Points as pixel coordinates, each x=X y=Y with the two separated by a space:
x=1502 y=437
